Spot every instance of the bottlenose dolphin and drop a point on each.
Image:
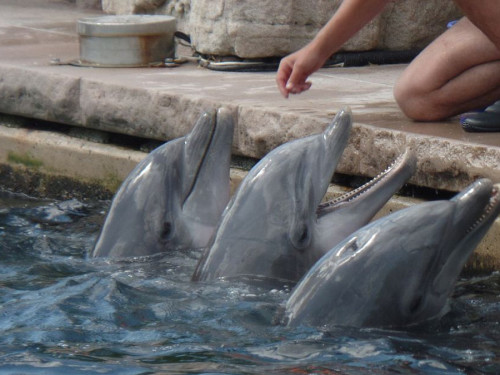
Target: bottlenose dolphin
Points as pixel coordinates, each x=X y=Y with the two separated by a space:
x=174 y=197
x=275 y=227
x=399 y=270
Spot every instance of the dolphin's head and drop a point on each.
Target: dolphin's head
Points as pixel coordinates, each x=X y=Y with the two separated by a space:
x=174 y=198
x=268 y=226
x=399 y=270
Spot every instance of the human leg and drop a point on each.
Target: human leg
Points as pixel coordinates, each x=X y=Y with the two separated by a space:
x=458 y=72
x=485 y=15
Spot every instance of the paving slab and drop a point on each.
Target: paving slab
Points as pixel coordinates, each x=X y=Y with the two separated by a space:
x=163 y=103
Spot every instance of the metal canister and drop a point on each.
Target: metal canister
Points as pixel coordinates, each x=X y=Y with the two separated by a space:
x=126 y=41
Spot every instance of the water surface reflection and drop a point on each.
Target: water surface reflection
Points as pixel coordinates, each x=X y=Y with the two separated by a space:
x=63 y=314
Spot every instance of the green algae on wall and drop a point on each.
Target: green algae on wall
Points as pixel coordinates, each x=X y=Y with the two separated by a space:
x=24 y=159
x=111 y=181
x=35 y=183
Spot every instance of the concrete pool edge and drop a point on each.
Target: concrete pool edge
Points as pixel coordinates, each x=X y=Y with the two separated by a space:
x=76 y=167
x=94 y=99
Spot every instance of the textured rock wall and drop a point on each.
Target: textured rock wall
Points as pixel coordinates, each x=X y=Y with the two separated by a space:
x=86 y=4
x=408 y=23
x=180 y=9
x=263 y=28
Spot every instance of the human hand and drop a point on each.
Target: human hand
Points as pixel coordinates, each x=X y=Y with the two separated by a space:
x=294 y=70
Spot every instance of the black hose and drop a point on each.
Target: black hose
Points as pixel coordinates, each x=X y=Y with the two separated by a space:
x=375 y=57
x=341 y=59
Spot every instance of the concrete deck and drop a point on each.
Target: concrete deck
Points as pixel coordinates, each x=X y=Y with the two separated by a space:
x=163 y=103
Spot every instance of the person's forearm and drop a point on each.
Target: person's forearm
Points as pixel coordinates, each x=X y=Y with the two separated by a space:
x=351 y=16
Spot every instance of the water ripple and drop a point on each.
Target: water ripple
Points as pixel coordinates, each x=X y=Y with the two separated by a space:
x=62 y=313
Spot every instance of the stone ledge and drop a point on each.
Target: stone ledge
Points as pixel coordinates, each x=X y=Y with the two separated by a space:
x=56 y=154
x=148 y=112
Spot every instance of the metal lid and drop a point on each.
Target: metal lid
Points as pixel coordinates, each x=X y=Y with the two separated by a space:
x=126 y=25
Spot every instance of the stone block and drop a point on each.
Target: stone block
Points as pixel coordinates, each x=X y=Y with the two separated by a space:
x=26 y=92
x=414 y=23
x=132 y=111
x=256 y=28
x=88 y=4
x=180 y=9
x=267 y=28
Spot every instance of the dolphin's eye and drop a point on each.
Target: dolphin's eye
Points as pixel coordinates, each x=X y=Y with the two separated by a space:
x=166 y=230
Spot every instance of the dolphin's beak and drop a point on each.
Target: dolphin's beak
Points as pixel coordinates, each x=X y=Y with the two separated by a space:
x=371 y=196
x=474 y=205
x=343 y=117
x=207 y=159
x=335 y=138
x=339 y=129
x=197 y=144
x=476 y=209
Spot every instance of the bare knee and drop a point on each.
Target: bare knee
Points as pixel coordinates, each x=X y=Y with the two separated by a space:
x=417 y=104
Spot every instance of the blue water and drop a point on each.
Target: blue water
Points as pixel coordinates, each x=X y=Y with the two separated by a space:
x=63 y=314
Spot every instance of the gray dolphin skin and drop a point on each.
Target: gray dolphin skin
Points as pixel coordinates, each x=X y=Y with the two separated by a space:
x=399 y=270
x=174 y=198
x=268 y=225
x=273 y=227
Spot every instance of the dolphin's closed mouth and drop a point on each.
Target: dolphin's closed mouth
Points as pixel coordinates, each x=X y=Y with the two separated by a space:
x=203 y=157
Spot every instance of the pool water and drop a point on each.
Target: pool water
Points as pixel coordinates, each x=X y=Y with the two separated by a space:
x=61 y=313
